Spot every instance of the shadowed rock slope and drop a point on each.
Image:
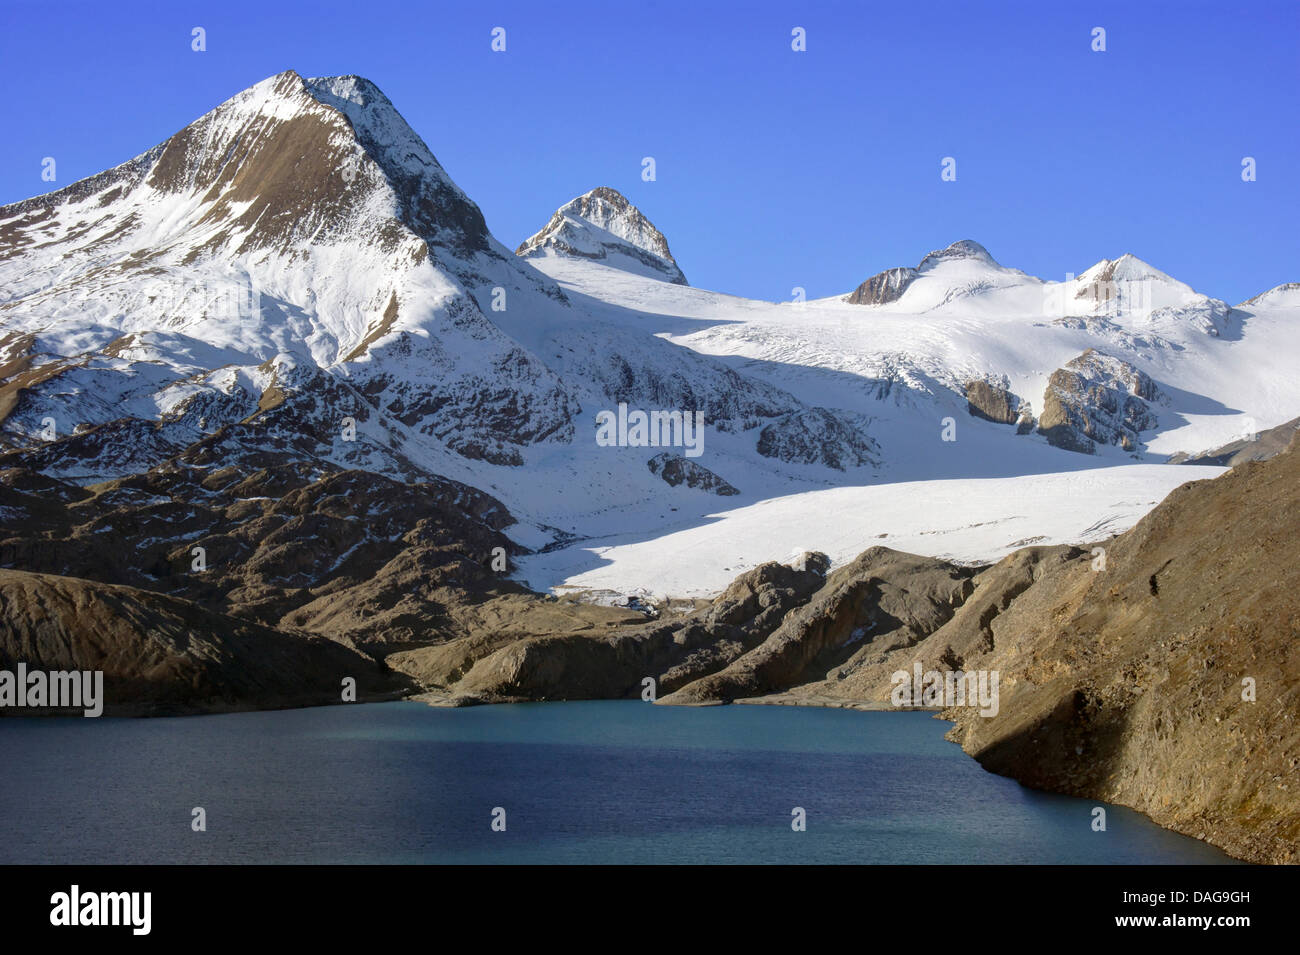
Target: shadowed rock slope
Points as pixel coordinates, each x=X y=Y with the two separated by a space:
x=161 y=655
x=261 y=584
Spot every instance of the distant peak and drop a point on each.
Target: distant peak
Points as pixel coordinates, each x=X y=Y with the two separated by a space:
x=1286 y=294
x=612 y=211
x=1127 y=268
x=889 y=285
x=604 y=224
x=961 y=249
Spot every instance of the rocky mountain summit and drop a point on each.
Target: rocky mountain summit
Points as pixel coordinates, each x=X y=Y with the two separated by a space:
x=299 y=249
x=602 y=224
x=889 y=285
x=300 y=225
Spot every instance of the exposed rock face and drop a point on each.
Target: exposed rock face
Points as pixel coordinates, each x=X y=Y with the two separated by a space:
x=1097 y=399
x=345 y=554
x=730 y=401
x=1127 y=684
x=615 y=664
x=992 y=403
x=1257 y=447
x=162 y=655
x=833 y=439
x=603 y=224
x=883 y=595
x=677 y=470
x=883 y=287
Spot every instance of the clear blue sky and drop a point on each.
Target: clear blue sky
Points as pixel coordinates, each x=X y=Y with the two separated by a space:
x=775 y=169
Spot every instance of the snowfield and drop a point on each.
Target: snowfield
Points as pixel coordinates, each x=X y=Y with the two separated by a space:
x=968 y=521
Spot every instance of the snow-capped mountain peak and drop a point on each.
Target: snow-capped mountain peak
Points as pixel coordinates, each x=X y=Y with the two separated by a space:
x=602 y=224
x=297 y=258
x=963 y=268
x=1286 y=295
x=293 y=279
x=299 y=217
x=961 y=249
x=1135 y=292
x=1128 y=268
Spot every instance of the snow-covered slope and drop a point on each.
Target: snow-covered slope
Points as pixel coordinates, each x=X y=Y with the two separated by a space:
x=300 y=224
x=296 y=273
x=964 y=520
x=963 y=317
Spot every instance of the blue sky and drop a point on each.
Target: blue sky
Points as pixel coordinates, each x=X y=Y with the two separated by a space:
x=775 y=169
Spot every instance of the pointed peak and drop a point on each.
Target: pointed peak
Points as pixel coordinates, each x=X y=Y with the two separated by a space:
x=289 y=160
x=606 y=194
x=604 y=224
x=347 y=91
x=1127 y=268
x=612 y=211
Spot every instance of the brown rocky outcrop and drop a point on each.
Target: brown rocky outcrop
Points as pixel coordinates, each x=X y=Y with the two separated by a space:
x=161 y=655
x=991 y=402
x=883 y=287
x=861 y=602
x=614 y=664
x=1097 y=399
